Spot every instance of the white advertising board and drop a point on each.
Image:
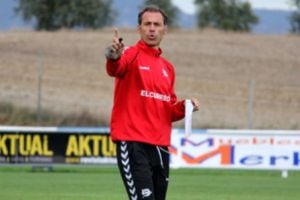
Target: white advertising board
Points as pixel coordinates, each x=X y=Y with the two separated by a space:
x=240 y=149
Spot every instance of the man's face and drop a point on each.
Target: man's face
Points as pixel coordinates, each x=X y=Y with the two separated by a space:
x=152 y=28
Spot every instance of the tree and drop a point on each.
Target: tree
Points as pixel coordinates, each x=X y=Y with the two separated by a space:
x=295 y=18
x=225 y=14
x=167 y=6
x=56 y=14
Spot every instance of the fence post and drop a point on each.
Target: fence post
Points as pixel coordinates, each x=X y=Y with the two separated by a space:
x=251 y=88
x=40 y=63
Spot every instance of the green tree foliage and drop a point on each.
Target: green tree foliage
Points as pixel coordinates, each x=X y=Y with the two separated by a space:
x=56 y=14
x=225 y=14
x=295 y=18
x=168 y=7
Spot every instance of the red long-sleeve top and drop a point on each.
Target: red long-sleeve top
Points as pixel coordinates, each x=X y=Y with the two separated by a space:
x=145 y=104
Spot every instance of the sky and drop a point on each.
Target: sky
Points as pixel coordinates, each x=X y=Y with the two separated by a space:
x=187 y=6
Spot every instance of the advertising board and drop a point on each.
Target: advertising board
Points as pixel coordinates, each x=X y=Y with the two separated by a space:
x=243 y=149
x=235 y=149
x=52 y=145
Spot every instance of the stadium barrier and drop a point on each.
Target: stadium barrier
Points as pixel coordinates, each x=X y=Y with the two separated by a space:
x=233 y=149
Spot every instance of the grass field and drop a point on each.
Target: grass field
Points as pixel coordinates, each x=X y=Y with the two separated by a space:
x=95 y=183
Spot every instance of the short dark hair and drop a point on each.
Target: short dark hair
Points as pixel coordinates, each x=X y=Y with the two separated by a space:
x=152 y=8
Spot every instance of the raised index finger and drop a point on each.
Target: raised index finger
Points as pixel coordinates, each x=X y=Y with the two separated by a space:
x=116 y=32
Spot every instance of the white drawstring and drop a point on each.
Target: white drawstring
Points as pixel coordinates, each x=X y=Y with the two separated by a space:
x=166 y=151
x=160 y=157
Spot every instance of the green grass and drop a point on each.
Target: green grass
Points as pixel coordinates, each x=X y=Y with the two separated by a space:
x=104 y=183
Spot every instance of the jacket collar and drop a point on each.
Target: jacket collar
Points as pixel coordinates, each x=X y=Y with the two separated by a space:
x=149 y=50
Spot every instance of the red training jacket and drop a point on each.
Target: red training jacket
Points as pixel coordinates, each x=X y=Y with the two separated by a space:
x=144 y=100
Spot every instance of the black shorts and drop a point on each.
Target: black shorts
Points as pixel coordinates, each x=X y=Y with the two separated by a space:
x=144 y=169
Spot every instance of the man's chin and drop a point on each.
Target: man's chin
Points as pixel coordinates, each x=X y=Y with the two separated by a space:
x=152 y=43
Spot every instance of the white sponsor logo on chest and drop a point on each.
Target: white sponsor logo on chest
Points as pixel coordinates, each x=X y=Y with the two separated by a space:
x=155 y=95
x=144 y=67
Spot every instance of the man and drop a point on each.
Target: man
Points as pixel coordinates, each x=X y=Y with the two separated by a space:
x=145 y=106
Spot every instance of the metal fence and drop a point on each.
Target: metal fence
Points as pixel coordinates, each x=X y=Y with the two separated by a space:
x=254 y=105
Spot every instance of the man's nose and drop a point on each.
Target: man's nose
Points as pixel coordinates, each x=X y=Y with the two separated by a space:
x=152 y=27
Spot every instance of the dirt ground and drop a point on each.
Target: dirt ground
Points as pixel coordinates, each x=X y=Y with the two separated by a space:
x=242 y=80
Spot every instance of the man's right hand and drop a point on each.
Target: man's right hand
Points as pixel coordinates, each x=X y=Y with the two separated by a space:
x=115 y=50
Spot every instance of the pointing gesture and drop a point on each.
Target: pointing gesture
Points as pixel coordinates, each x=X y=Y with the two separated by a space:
x=116 y=32
x=114 y=51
